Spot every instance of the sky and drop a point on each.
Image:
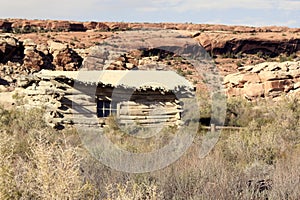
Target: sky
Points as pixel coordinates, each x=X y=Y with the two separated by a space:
x=231 y=12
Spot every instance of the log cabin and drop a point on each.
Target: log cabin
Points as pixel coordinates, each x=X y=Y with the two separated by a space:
x=146 y=98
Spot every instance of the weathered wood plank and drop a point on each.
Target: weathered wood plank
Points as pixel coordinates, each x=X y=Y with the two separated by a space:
x=82 y=120
x=69 y=103
x=124 y=91
x=80 y=96
x=60 y=84
x=146 y=117
x=161 y=111
x=147 y=121
x=74 y=112
x=150 y=108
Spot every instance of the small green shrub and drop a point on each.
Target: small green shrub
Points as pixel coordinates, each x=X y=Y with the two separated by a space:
x=239 y=64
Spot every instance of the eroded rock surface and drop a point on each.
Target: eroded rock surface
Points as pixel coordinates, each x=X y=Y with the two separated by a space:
x=220 y=44
x=20 y=58
x=269 y=79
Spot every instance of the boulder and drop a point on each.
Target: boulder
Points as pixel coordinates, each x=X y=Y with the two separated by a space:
x=233 y=79
x=269 y=75
x=268 y=79
x=233 y=92
x=43 y=48
x=32 y=61
x=119 y=26
x=297 y=85
x=90 y=25
x=3 y=88
x=55 y=47
x=275 y=67
x=29 y=43
x=8 y=41
x=130 y=66
x=250 y=78
x=277 y=85
x=295 y=73
x=253 y=90
x=102 y=27
x=258 y=68
x=10 y=50
x=67 y=60
x=292 y=65
x=60 y=26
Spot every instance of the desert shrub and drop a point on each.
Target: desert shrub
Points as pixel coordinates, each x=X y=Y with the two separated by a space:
x=239 y=64
x=8 y=187
x=265 y=138
x=132 y=190
x=253 y=145
x=228 y=55
x=52 y=171
x=36 y=162
x=236 y=167
x=286 y=177
x=241 y=113
x=20 y=121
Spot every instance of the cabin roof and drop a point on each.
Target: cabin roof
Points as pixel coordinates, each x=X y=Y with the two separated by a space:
x=134 y=79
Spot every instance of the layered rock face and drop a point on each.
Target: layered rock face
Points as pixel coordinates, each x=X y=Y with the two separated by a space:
x=218 y=44
x=269 y=79
x=21 y=58
x=46 y=93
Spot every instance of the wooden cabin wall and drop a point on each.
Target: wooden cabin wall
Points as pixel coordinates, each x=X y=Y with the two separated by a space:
x=143 y=107
x=68 y=104
x=149 y=112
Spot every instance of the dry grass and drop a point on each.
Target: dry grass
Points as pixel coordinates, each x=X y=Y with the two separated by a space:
x=35 y=164
x=260 y=162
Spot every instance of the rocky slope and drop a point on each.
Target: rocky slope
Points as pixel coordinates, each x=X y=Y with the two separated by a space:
x=216 y=39
x=268 y=79
x=21 y=58
x=268 y=44
x=27 y=46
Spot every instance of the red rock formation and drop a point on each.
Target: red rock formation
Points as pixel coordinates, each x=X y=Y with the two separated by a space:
x=67 y=60
x=90 y=25
x=102 y=27
x=60 y=26
x=218 y=44
x=119 y=26
x=64 y=25
x=10 y=50
x=5 y=26
x=268 y=79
